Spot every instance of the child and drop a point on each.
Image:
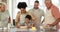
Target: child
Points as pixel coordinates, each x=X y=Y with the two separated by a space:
x=28 y=21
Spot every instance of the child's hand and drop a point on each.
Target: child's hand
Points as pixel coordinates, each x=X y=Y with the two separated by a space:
x=29 y=26
x=18 y=26
x=23 y=27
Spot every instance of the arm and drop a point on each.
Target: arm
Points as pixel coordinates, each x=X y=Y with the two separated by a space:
x=30 y=12
x=55 y=23
x=56 y=14
x=9 y=19
x=17 y=19
x=33 y=18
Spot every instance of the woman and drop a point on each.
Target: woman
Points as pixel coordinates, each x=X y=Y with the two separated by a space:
x=20 y=18
x=4 y=15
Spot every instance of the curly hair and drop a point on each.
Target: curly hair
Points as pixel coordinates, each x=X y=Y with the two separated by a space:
x=21 y=5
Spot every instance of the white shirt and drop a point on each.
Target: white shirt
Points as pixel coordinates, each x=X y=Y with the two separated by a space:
x=38 y=13
x=22 y=19
x=49 y=19
x=4 y=18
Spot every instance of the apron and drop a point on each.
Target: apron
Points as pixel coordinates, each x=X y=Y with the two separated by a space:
x=22 y=19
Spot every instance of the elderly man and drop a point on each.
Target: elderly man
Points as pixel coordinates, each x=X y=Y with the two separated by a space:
x=37 y=13
x=4 y=15
x=52 y=16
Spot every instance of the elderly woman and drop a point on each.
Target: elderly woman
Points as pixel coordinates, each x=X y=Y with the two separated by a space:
x=20 y=18
x=4 y=15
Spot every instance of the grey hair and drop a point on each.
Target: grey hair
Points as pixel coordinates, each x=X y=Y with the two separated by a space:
x=48 y=0
x=2 y=3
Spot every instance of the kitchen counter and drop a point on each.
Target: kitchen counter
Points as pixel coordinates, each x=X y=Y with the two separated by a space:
x=13 y=29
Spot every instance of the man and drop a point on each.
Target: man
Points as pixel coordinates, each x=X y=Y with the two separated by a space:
x=4 y=15
x=37 y=13
x=52 y=16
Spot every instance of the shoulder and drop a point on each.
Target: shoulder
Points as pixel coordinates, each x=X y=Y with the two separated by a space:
x=30 y=10
x=18 y=12
x=54 y=8
x=55 y=12
x=41 y=10
x=28 y=13
x=6 y=12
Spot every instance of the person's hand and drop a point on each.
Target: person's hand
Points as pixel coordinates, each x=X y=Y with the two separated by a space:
x=29 y=26
x=47 y=26
x=18 y=26
x=23 y=27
